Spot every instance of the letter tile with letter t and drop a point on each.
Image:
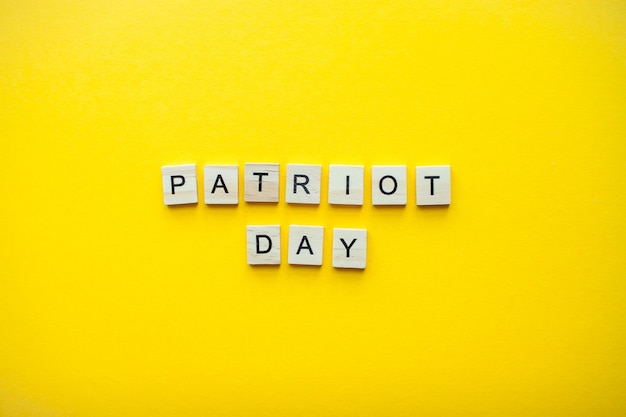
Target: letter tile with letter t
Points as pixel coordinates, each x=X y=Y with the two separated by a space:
x=179 y=184
x=263 y=243
x=261 y=182
x=349 y=248
x=306 y=245
x=432 y=185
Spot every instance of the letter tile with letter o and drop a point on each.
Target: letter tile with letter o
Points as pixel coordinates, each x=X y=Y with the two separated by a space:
x=389 y=185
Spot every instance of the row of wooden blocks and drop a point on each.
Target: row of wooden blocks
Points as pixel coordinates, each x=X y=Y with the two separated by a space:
x=306 y=245
x=345 y=184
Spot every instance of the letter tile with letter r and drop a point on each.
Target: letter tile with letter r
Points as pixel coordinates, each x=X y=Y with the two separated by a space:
x=263 y=244
x=179 y=184
x=304 y=183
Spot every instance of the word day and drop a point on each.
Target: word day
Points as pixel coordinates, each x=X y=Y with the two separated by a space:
x=306 y=245
x=303 y=184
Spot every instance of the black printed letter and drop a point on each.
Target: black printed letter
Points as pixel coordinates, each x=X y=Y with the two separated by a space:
x=304 y=246
x=302 y=184
x=180 y=184
x=432 y=183
x=219 y=180
x=347 y=246
x=260 y=174
x=395 y=185
x=258 y=244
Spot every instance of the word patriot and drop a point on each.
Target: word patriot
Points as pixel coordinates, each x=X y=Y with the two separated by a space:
x=304 y=185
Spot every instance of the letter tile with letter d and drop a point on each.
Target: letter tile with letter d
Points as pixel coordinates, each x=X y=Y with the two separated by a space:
x=263 y=245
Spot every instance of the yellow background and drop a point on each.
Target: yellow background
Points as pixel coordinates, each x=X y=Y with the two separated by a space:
x=511 y=302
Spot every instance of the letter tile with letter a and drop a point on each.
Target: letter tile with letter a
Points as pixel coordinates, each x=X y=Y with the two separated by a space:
x=179 y=184
x=349 y=248
x=432 y=185
x=303 y=184
x=389 y=185
x=221 y=184
x=306 y=245
x=261 y=183
x=263 y=243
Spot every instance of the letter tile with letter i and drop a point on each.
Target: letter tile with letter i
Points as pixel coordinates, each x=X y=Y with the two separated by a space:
x=345 y=184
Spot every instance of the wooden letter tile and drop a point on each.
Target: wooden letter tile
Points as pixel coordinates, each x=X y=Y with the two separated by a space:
x=179 y=184
x=303 y=184
x=263 y=243
x=349 y=248
x=432 y=185
x=221 y=184
x=306 y=245
x=345 y=184
x=389 y=185
x=261 y=183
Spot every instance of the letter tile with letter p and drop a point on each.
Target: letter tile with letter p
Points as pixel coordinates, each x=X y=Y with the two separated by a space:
x=179 y=184
x=263 y=243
